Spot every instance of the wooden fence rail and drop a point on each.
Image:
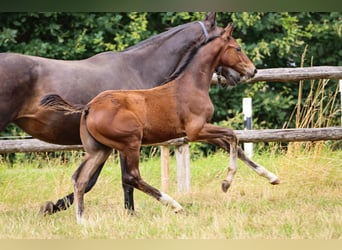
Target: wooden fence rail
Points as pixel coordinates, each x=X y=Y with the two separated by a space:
x=290 y=135
x=182 y=151
x=265 y=135
x=295 y=74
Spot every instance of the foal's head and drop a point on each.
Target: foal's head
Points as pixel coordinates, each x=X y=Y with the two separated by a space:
x=232 y=55
x=232 y=77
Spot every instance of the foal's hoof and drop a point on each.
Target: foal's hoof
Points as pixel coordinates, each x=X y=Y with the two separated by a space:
x=275 y=182
x=225 y=186
x=46 y=209
x=179 y=210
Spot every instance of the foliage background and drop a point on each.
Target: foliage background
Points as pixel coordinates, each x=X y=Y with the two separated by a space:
x=271 y=39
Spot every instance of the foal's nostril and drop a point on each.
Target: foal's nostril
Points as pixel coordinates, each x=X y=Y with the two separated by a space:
x=255 y=71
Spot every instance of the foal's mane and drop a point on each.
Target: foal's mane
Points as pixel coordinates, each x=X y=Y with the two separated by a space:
x=180 y=68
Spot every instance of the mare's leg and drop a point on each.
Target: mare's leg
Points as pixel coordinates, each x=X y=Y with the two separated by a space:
x=131 y=177
x=127 y=189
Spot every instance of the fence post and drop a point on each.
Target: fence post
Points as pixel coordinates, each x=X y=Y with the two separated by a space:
x=340 y=81
x=165 y=168
x=182 y=153
x=247 y=112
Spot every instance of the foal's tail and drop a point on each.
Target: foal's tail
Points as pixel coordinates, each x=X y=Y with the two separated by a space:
x=57 y=103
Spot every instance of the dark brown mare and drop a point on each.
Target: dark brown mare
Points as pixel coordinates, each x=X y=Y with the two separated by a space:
x=126 y=120
x=24 y=80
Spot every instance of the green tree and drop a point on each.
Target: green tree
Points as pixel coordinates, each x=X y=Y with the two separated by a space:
x=270 y=39
x=278 y=40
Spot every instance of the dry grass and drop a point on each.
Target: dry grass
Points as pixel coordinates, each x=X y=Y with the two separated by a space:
x=316 y=108
x=307 y=205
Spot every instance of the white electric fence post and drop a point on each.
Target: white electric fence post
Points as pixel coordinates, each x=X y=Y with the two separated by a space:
x=247 y=112
x=341 y=98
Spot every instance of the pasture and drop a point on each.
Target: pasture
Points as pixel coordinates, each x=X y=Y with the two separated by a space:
x=306 y=205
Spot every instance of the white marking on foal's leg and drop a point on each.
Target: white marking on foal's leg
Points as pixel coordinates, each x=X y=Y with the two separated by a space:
x=80 y=218
x=231 y=169
x=81 y=221
x=229 y=179
x=167 y=200
x=260 y=170
x=272 y=178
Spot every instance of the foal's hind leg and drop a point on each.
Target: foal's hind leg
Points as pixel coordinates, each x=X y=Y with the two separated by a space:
x=131 y=177
x=64 y=203
x=95 y=159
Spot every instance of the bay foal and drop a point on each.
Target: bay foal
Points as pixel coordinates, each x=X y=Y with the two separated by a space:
x=125 y=120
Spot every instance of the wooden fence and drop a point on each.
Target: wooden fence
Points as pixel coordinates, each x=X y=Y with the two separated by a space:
x=265 y=135
x=182 y=149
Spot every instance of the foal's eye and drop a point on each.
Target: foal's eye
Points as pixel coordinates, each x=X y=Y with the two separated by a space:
x=238 y=49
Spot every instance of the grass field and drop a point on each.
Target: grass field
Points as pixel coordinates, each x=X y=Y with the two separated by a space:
x=306 y=205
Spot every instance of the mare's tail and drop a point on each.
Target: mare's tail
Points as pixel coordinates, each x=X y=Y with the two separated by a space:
x=57 y=103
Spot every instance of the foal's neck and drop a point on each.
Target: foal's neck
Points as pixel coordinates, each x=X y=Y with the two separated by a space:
x=203 y=65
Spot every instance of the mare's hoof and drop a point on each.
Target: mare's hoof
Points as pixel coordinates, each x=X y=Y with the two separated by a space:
x=225 y=186
x=46 y=209
x=275 y=182
x=130 y=212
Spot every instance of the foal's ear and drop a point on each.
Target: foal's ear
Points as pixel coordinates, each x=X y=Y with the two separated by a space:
x=211 y=18
x=229 y=29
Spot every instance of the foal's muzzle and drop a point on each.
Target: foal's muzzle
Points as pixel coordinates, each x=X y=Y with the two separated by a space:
x=249 y=74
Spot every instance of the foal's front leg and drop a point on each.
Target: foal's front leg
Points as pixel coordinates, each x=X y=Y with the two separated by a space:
x=260 y=170
x=232 y=168
x=224 y=138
